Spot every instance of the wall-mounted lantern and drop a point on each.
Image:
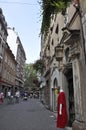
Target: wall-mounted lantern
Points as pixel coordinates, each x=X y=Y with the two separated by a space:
x=59 y=52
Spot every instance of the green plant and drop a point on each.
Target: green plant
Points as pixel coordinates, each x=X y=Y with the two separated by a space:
x=51 y=7
x=39 y=66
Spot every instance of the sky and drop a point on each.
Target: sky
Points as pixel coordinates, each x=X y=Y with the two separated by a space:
x=25 y=17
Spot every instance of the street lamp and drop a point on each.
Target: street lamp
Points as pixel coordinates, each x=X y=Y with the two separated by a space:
x=59 y=54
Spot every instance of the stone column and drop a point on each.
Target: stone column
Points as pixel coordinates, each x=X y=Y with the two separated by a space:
x=79 y=84
x=77 y=90
x=79 y=123
x=61 y=73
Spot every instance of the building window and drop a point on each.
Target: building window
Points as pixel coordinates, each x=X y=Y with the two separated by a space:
x=52 y=42
x=48 y=48
x=85 y=29
x=0 y=26
x=51 y=29
x=57 y=29
x=0 y=41
x=47 y=83
x=66 y=17
x=55 y=83
x=67 y=55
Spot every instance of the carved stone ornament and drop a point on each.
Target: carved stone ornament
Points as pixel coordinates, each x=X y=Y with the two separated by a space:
x=74 y=50
x=73 y=36
x=59 y=52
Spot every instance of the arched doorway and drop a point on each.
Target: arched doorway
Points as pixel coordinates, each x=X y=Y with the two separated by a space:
x=69 y=76
x=54 y=94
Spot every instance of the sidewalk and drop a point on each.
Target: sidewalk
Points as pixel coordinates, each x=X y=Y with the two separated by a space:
x=3 y=104
x=67 y=128
x=6 y=102
x=55 y=114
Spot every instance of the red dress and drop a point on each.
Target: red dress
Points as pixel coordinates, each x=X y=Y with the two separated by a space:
x=63 y=118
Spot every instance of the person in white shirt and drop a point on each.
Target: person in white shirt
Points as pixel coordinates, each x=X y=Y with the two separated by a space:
x=9 y=96
x=9 y=93
x=17 y=95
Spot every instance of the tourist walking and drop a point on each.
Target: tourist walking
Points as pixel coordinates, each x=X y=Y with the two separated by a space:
x=1 y=97
x=17 y=95
x=9 y=97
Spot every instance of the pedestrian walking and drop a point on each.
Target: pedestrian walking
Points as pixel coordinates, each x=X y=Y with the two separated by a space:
x=62 y=118
x=1 y=97
x=17 y=95
x=9 y=96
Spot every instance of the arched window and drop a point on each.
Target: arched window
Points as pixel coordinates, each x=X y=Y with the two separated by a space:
x=55 y=83
x=67 y=55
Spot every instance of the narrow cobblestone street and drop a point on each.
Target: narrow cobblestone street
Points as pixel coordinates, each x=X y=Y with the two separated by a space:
x=26 y=115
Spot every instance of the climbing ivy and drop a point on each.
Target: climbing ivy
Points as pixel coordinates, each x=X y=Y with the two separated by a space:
x=51 y=7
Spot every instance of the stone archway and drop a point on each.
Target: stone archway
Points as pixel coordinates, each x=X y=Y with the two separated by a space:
x=55 y=82
x=54 y=94
x=69 y=76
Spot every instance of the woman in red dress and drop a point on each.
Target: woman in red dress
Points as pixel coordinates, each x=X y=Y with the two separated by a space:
x=62 y=118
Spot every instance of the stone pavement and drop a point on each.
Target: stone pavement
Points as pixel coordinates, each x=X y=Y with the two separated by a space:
x=55 y=114
x=26 y=115
x=67 y=128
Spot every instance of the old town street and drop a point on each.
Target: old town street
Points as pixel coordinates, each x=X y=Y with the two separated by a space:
x=26 y=115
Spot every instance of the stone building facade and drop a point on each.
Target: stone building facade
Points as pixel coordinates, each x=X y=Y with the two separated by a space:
x=80 y=104
x=3 y=38
x=7 y=59
x=20 y=70
x=20 y=56
x=8 y=73
x=12 y=58
x=65 y=47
